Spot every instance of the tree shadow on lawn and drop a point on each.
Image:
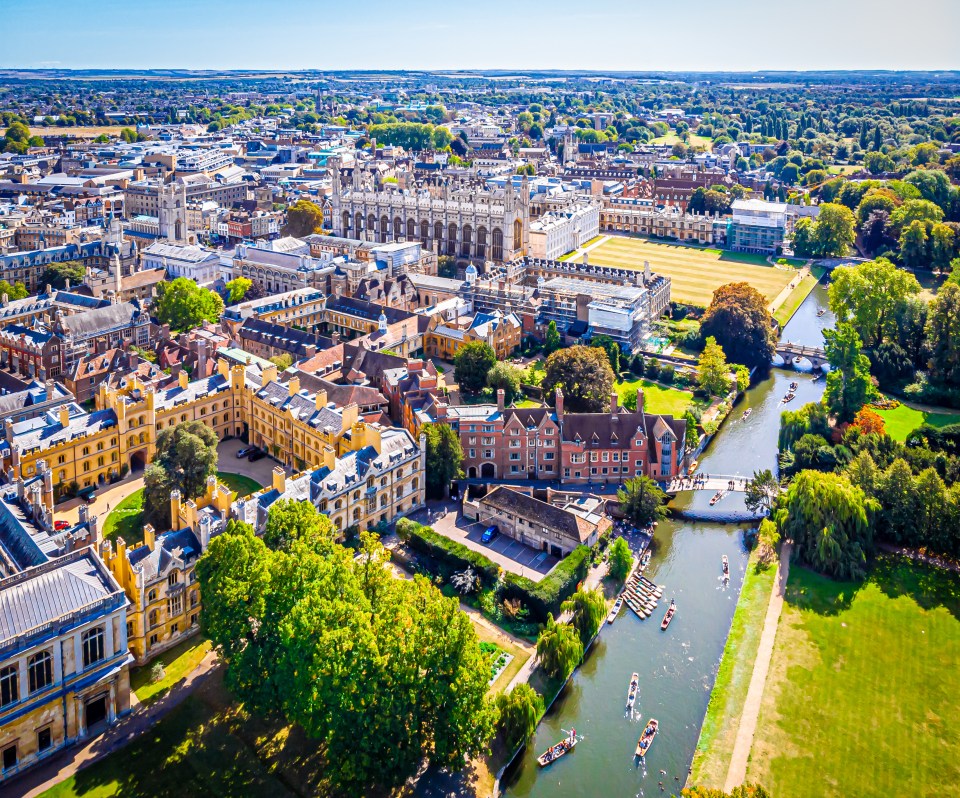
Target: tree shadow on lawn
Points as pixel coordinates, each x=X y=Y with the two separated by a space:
x=809 y=590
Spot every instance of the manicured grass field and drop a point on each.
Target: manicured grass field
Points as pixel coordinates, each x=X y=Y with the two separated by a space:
x=126 y=520
x=178 y=662
x=785 y=312
x=657 y=398
x=902 y=420
x=206 y=746
x=696 y=273
x=719 y=731
x=239 y=484
x=863 y=694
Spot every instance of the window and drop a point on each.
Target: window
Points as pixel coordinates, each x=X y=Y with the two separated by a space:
x=173 y=578
x=44 y=740
x=9 y=687
x=92 y=646
x=40 y=671
x=175 y=605
x=154 y=639
x=10 y=757
x=152 y=595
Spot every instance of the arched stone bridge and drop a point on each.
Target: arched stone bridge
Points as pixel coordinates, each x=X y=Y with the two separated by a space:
x=790 y=352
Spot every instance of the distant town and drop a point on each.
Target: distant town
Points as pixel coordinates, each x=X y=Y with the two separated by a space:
x=382 y=433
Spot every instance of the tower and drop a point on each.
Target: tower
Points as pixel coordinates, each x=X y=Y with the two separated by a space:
x=172 y=213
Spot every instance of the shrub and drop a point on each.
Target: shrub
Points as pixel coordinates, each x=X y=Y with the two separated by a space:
x=546 y=596
x=667 y=374
x=424 y=540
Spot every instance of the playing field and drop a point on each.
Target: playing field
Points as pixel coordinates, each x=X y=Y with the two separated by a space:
x=696 y=273
x=863 y=693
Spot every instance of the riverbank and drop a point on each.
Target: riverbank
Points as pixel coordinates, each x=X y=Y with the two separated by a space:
x=798 y=296
x=718 y=734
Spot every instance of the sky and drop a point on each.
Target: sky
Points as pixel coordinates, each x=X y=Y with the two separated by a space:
x=643 y=35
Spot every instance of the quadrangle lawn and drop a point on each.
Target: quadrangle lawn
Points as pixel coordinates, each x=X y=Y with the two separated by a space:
x=656 y=398
x=863 y=694
x=696 y=273
x=902 y=420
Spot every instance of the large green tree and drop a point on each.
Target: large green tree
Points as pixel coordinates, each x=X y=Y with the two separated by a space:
x=551 y=341
x=830 y=236
x=739 y=321
x=56 y=275
x=237 y=289
x=870 y=296
x=303 y=218
x=472 y=364
x=584 y=376
x=830 y=521
x=713 y=371
x=290 y=519
x=186 y=455
x=185 y=305
x=559 y=649
x=849 y=386
x=943 y=331
x=520 y=711
x=384 y=672
x=587 y=610
x=444 y=459
x=506 y=377
x=762 y=491
x=620 y=560
x=642 y=501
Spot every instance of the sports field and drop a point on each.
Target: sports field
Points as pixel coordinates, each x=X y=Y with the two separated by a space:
x=863 y=693
x=696 y=273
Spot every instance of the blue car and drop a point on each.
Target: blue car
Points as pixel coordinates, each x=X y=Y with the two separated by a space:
x=488 y=534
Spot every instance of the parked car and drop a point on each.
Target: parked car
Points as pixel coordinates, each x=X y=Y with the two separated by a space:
x=245 y=451
x=60 y=525
x=91 y=497
x=489 y=534
x=256 y=454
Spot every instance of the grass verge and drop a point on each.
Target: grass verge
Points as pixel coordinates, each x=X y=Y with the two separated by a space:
x=657 y=398
x=126 y=520
x=178 y=662
x=796 y=297
x=711 y=759
x=863 y=693
x=239 y=484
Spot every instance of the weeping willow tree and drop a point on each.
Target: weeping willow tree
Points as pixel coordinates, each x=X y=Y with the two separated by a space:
x=559 y=649
x=830 y=522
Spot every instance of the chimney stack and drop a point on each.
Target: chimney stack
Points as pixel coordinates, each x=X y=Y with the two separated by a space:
x=558 y=403
x=614 y=406
x=501 y=399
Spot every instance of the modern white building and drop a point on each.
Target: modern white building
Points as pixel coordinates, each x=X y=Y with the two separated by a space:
x=560 y=231
x=757 y=225
x=183 y=260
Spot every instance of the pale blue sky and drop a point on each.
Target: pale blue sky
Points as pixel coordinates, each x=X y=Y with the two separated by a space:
x=506 y=34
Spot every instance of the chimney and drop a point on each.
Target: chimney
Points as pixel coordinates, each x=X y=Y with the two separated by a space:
x=82 y=516
x=64 y=416
x=329 y=457
x=614 y=401
x=174 y=508
x=321 y=399
x=8 y=429
x=51 y=388
x=309 y=351
x=558 y=403
x=279 y=479
x=501 y=399
x=183 y=379
x=293 y=386
x=414 y=366
x=640 y=400
x=149 y=537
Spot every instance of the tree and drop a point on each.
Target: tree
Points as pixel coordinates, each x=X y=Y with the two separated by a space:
x=848 y=384
x=552 y=340
x=382 y=671
x=611 y=348
x=56 y=275
x=447 y=266
x=186 y=455
x=15 y=291
x=868 y=421
x=943 y=331
x=942 y=240
x=519 y=711
x=237 y=289
x=642 y=501
x=444 y=459
x=830 y=522
x=915 y=210
x=743 y=791
x=620 y=560
x=713 y=373
x=283 y=361
x=185 y=305
x=587 y=610
x=559 y=649
x=584 y=376
x=913 y=245
x=762 y=491
x=303 y=218
x=472 y=364
x=740 y=323
x=833 y=231
x=506 y=377
x=870 y=296
x=291 y=519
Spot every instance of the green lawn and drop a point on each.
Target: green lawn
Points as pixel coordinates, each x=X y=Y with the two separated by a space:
x=902 y=420
x=126 y=520
x=239 y=484
x=785 y=312
x=695 y=272
x=863 y=694
x=657 y=398
x=719 y=731
x=528 y=403
x=178 y=662
x=206 y=746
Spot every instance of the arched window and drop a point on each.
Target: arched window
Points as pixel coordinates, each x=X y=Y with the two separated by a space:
x=497 y=244
x=40 y=671
x=154 y=618
x=358 y=220
x=384 y=229
x=451 y=239
x=346 y=222
x=9 y=685
x=93 y=648
x=481 y=242
x=467 y=237
x=411 y=229
x=438 y=234
x=424 y=232
x=517 y=235
x=398 y=227
x=173 y=578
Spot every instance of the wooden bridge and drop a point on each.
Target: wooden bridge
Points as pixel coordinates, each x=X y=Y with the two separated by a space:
x=790 y=351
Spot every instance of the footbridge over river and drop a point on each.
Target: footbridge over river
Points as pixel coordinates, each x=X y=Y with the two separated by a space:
x=713 y=482
x=790 y=352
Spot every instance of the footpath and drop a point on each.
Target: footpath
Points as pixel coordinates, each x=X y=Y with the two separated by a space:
x=737 y=772
x=65 y=764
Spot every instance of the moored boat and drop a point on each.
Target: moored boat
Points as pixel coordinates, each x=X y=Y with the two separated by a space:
x=560 y=749
x=632 y=690
x=646 y=739
x=671 y=611
x=645 y=560
x=615 y=610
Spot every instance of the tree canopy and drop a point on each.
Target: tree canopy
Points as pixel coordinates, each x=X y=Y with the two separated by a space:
x=505 y=376
x=642 y=501
x=56 y=275
x=849 y=385
x=831 y=235
x=186 y=455
x=870 y=295
x=185 y=305
x=620 y=559
x=584 y=376
x=237 y=289
x=472 y=364
x=559 y=649
x=739 y=321
x=290 y=519
x=382 y=671
x=587 y=610
x=303 y=218
x=444 y=458
x=713 y=372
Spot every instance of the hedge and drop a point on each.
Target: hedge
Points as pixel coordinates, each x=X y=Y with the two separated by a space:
x=541 y=597
x=423 y=539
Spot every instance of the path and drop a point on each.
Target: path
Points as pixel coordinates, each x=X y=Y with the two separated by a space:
x=784 y=295
x=65 y=764
x=918 y=556
x=737 y=772
x=108 y=497
x=577 y=255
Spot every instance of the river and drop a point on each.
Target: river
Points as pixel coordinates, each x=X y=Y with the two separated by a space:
x=677 y=667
